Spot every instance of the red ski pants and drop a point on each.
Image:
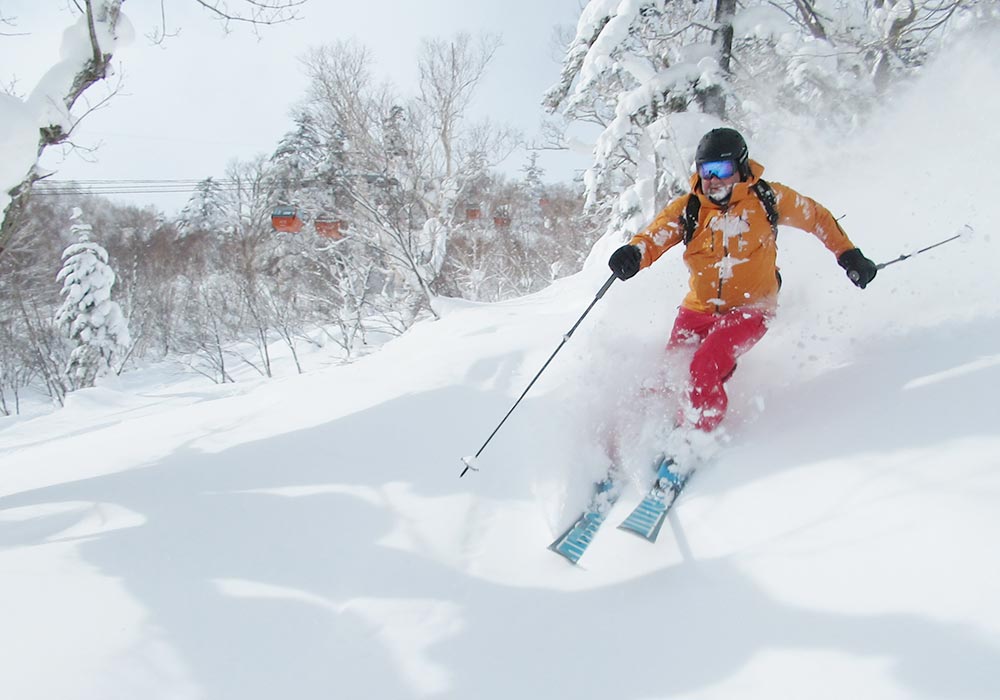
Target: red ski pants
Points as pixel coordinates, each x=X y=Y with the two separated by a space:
x=719 y=339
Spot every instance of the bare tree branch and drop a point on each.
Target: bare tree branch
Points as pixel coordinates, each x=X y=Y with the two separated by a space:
x=256 y=12
x=10 y=22
x=450 y=70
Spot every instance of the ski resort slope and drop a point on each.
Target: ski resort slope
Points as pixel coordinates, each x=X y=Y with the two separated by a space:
x=309 y=537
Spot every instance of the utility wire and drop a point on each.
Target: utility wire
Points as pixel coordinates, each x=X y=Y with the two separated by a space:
x=97 y=187
x=100 y=187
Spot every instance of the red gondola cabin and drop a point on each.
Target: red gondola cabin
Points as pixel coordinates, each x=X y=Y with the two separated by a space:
x=330 y=228
x=286 y=219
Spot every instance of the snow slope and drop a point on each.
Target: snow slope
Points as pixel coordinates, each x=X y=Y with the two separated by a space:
x=310 y=538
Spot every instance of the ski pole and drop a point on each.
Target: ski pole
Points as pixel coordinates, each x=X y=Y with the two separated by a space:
x=854 y=275
x=468 y=461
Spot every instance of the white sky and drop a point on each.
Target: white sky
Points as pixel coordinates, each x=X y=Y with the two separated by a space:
x=238 y=89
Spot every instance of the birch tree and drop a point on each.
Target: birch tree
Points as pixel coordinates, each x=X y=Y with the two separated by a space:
x=402 y=170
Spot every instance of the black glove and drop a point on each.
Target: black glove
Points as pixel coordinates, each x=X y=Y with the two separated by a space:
x=625 y=261
x=860 y=269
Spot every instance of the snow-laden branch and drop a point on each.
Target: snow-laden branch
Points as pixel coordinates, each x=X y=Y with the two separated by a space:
x=46 y=118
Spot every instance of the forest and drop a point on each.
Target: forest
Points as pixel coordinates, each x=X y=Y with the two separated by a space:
x=379 y=201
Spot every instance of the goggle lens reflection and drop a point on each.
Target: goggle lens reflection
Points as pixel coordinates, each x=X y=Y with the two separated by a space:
x=720 y=169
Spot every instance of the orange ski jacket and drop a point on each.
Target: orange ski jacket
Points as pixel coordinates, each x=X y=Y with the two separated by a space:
x=732 y=257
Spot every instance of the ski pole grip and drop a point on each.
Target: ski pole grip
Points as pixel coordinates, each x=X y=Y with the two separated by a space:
x=854 y=276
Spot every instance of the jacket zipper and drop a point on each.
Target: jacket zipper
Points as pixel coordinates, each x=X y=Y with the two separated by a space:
x=725 y=254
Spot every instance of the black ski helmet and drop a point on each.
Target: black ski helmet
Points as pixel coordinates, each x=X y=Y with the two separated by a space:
x=724 y=144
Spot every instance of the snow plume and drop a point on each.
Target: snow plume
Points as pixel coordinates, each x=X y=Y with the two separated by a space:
x=87 y=315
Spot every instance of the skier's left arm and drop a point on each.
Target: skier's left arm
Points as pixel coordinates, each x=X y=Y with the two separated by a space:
x=801 y=212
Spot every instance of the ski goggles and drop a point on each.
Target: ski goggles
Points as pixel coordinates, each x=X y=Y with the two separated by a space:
x=720 y=169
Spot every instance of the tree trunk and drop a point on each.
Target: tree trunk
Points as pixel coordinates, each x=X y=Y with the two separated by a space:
x=811 y=19
x=890 y=47
x=714 y=99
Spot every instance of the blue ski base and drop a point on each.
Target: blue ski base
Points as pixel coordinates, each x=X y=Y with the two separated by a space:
x=648 y=517
x=574 y=542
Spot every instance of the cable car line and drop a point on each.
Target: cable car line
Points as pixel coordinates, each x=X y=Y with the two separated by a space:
x=176 y=186
x=149 y=186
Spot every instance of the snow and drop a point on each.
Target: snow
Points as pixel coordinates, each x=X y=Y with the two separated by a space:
x=599 y=56
x=309 y=536
x=762 y=22
x=18 y=143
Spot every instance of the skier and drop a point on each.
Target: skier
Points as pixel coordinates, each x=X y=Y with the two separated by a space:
x=729 y=223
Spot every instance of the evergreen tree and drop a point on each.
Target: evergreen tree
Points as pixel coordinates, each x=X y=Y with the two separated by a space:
x=87 y=315
x=205 y=210
x=310 y=168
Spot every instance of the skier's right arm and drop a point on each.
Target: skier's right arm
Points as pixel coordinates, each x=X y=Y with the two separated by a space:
x=649 y=244
x=663 y=234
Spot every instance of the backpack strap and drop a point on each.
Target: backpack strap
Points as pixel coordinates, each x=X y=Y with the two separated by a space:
x=764 y=192
x=689 y=219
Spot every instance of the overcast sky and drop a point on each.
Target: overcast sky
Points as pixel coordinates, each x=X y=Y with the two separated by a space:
x=204 y=98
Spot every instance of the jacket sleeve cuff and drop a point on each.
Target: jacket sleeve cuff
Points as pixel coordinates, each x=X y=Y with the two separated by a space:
x=640 y=242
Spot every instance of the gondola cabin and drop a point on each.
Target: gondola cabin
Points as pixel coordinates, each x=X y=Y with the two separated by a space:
x=286 y=219
x=330 y=228
x=501 y=216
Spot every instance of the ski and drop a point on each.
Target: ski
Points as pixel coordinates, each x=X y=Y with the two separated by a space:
x=647 y=518
x=574 y=542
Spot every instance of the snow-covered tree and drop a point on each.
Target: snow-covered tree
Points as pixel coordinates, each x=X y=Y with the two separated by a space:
x=205 y=209
x=88 y=316
x=521 y=235
x=16 y=365
x=654 y=74
x=532 y=219
x=402 y=163
x=246 y=250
